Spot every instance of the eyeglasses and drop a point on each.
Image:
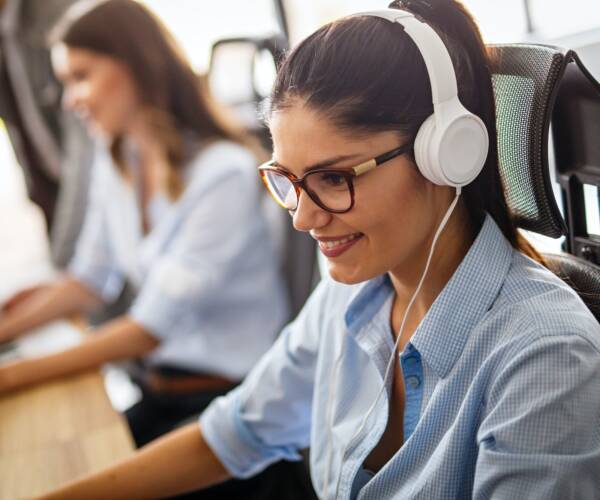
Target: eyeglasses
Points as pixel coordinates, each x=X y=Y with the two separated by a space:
x=331 y=189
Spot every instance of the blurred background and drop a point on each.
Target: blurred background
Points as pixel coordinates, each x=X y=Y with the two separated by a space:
x=45 y=154
x=198 y=26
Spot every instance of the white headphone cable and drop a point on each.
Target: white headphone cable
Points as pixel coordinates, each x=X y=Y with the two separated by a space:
x=329 y=410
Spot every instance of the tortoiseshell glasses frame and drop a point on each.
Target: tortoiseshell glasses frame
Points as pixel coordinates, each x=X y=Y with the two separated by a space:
x=330 y=188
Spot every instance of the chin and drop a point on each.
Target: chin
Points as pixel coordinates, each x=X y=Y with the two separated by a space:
x=96 y=130
x=346 y=276
x=104 y=128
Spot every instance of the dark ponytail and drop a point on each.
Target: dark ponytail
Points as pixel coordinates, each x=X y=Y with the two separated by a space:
x=367 y=75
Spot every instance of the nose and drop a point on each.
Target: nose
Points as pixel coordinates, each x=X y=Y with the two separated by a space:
x=309 y=215
x=74 y=97
x=68 y=101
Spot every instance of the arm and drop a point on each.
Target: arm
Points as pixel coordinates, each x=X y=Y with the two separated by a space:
x=119 y=339
x=538 y=438
x=268 y=417
x=20 y=297
x=191 y=465
x=93 y=275
x=68 y=296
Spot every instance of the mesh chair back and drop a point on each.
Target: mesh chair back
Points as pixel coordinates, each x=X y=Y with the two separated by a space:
x=525 y=80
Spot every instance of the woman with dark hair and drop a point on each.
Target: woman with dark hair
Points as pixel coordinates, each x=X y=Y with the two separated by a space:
x=174 y=213
x=443 y=360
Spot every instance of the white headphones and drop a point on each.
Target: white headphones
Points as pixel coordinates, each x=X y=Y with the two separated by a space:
x=452 y=144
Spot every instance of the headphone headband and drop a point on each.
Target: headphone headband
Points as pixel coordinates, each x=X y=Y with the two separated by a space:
x=432 y=48
x=451 y=145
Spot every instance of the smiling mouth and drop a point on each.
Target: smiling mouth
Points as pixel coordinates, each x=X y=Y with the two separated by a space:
x=336 y=247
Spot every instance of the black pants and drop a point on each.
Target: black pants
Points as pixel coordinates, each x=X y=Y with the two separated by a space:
x=157 y=414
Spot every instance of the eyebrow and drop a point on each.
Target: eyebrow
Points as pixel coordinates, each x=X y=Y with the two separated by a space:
x=329 y=162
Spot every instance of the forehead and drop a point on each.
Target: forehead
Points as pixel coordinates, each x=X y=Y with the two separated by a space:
x=302 y=123
x=301 y=133
x=66 y=59
x=303 y=136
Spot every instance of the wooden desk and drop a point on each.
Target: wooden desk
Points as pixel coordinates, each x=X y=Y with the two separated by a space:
x=51 y=433
x=55 y=432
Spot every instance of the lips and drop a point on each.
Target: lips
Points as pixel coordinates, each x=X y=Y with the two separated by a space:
x=336 y=246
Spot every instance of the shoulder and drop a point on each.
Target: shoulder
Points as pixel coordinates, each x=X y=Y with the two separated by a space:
x=221 y=158
x=222 y=166
x=321 y=320
x=336 y=296
x=104 y=176
x=537 y=307
x=328 y=302
x=102 y=162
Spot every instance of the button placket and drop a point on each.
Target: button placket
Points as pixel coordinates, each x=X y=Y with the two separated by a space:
x=412 y=371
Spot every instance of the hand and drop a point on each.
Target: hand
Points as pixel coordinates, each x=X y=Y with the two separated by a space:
x=5 y=335
x=23 y=311
x=7 y=377
x=7 y=332
x=20 y=297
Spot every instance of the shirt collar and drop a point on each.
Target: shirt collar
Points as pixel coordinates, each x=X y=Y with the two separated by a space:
x=367 y=317
x=468 y=295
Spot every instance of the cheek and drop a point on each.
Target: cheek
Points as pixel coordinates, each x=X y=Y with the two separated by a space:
x=394 y=203
x=396 y=221
x=112 y=86
x=113 y=100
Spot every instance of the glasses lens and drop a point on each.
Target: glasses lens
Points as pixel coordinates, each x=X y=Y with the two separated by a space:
x=331 y=188
x=281 y=189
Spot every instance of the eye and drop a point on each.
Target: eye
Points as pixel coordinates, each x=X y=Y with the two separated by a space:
x=78 y=75
x=331 y=179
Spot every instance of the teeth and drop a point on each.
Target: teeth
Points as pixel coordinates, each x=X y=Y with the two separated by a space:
x=336 y=243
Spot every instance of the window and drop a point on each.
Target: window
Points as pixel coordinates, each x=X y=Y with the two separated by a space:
x=198 y=24
x=504 y=21
x=499 y=21
x=553 y=18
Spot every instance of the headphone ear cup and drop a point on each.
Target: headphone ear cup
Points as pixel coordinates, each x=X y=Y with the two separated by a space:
x=423 y=152
x=462 y=149
x=454 y=155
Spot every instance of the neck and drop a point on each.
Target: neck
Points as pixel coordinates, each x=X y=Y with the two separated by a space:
x=152 y=159
x=139 y=134
x=451 y=248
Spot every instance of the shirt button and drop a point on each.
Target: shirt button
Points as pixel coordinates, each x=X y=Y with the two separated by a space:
x=413 y=382
x=410 y=361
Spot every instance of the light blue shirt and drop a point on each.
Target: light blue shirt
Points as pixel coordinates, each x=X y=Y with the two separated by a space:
x=207 y=277
x=502 y=382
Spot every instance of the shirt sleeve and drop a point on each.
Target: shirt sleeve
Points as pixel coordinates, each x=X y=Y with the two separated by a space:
x=203 y=250
x=540 y=436
x=93 y=262
x=268 y=418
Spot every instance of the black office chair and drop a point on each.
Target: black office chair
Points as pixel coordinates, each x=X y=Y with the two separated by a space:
x=535 y=85
x=241 y=57
x=237 y=76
